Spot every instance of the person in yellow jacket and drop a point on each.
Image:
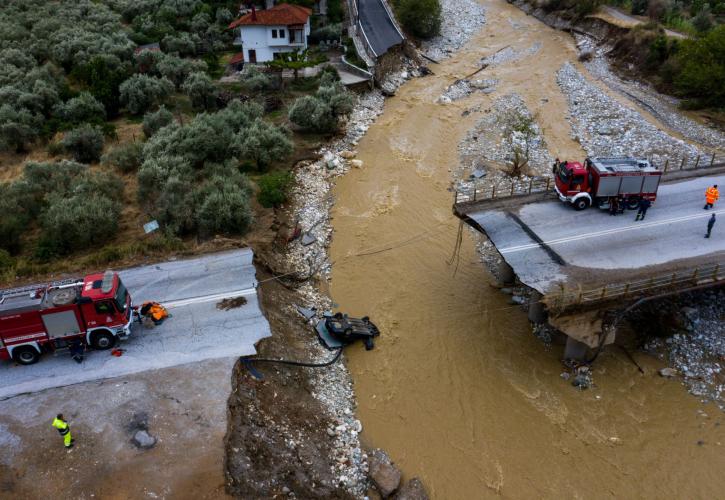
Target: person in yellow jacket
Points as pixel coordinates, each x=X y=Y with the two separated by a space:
x=64 y=430
x=711 y=196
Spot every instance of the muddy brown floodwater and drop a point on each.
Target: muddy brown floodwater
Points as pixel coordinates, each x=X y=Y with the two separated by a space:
x=458 y=390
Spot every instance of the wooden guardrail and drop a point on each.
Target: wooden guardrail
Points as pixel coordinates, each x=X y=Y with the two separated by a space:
x=516 y=188
x=690 y=277
x=541 y=185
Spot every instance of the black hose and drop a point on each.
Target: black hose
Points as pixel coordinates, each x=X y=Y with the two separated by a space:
x=293 y=363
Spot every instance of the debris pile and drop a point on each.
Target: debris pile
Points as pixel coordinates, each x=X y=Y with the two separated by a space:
x=697 y=352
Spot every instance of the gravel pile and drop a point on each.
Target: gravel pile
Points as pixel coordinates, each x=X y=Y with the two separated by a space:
x=663 y=107
x=604 y=127
x=461 y=20
x=463 y=88
x=697 y=353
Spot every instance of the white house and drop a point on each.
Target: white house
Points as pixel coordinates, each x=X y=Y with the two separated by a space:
x=264 y=34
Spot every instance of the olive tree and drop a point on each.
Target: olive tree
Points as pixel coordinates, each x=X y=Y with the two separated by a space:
x=156 y=120
x=141 y=92
x=201 y=90
x=84 y=108
x=264 y=143
x=18 y=128
x=85 y=143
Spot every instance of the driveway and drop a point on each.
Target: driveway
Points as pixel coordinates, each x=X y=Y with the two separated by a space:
x=197 y=330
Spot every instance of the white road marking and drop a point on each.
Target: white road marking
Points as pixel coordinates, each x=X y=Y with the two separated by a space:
x=607 y=232
x=209 y=298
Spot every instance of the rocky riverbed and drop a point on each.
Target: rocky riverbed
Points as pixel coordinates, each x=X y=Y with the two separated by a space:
x=461 y=20
x=605 y=127
x=662 y=107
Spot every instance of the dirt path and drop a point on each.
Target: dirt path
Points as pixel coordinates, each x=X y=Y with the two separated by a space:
x=458 y=389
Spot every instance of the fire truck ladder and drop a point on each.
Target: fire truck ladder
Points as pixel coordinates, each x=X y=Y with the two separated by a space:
x=15 y=292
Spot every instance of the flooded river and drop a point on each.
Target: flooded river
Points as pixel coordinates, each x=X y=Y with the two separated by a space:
x=458 y=390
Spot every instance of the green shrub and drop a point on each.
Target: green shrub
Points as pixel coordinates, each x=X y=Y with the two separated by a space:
x=254 y=80
x=6 y=260
x=85 y=143
x=421 y=18
x=329 y=32
x=322 y=112
x=125 y=158
x=701 y=75
x=273 y=188
x=141 y=92
x=155 y=120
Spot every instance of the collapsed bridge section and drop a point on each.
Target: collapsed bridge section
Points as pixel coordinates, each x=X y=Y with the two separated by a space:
x=581 y=264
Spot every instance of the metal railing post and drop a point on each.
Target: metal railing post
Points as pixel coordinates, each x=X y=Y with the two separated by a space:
x=604 y=292
x=474 y=193
x=712 y=160
x=626 y=289
x=682 y=164
x=697 y=161
x=667 y=162
x=548 y=181
x=512 y=188
x=493 y=191
x=531 y=183
x=694 y=275
x=716 y=272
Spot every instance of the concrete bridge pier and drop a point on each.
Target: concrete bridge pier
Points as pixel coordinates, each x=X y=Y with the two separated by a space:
x=537 y=311
x=506 y=275
x=575 y=350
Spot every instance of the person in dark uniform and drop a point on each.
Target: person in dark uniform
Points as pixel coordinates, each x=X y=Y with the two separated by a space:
x=613 y=205
x=644 y=205
x=710 y=223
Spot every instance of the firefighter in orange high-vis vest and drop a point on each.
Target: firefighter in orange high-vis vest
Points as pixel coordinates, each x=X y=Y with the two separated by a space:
x=711 y=196
x=155 y=311
x=64 y=430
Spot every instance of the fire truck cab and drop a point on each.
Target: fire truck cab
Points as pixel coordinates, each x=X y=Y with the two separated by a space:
x=96 y=310
x=599 y=180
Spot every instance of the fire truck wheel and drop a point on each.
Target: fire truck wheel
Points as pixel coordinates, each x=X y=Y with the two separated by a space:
x=102 y=340
x=632 y=203
x=26 y=355
x=581 y=203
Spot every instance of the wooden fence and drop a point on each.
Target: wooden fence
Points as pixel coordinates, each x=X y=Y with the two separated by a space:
x=540 y=185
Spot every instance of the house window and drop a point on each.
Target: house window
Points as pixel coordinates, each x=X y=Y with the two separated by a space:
x=274 y=33
x=281 y=33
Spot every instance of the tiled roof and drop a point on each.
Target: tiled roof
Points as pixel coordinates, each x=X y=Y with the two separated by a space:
x=237 y=58
x=282 y=14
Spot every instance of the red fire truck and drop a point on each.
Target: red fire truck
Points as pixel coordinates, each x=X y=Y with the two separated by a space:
x=95 y=310
x=599 y=179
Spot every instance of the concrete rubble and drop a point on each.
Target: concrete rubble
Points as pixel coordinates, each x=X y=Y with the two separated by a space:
x=604 y=127
x=696 y=353
x=384 y=474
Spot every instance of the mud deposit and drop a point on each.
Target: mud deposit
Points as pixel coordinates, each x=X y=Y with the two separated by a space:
x=458 y=390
